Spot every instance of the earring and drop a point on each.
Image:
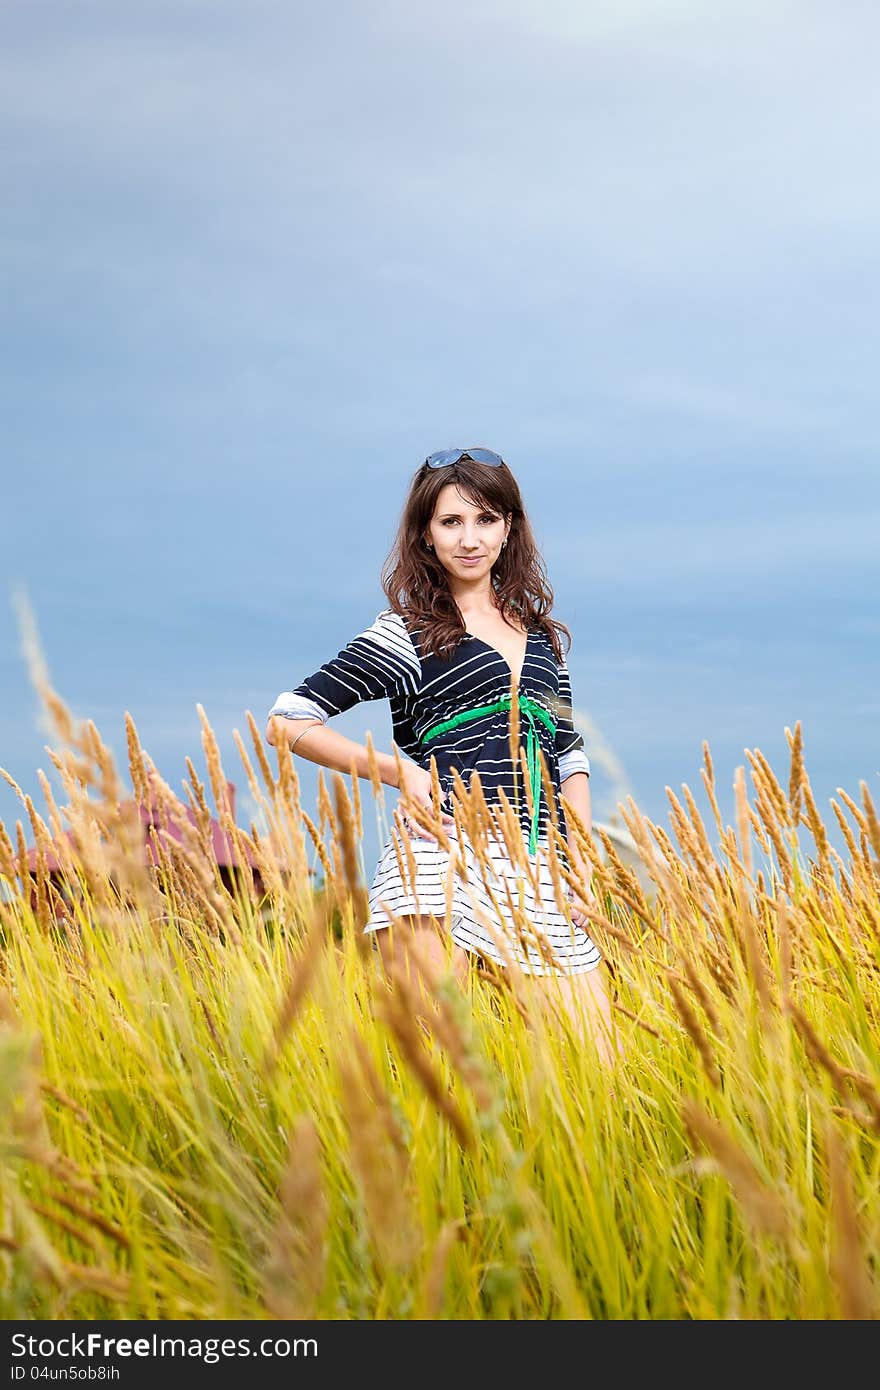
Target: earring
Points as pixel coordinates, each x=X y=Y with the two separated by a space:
x=504 y=543
x=429 y=545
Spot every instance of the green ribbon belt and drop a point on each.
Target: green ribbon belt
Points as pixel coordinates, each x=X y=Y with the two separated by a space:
x=532 y=711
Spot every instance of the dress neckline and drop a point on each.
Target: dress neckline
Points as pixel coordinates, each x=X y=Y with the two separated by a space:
x=489 y=647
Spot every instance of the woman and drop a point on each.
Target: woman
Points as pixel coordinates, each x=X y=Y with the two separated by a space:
x=472 y=666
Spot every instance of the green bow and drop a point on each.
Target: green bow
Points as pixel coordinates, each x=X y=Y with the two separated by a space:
x=532 y=711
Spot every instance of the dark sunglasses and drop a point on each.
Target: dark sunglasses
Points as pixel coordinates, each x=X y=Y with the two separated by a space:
x=444 y=457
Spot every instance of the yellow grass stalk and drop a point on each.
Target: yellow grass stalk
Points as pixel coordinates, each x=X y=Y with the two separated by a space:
x=763 y=773
x=527 y=781
x=254 y=787
x=743 y=820
x=465 y=808
x=684 y=832
x=845 y=830
x=527 y=932
x=689 y=841
x=694 y=1031
x=290 y=816
x=839 y=1074
x=452 y=1026
x=553 y=808
x=110 y=785
x=760 y=836
x=707 y=774
x=699 y=988
x=356 y=801
x=433 y=1293
x=697 y=825
x=41 y=835
x=286 y=786
x=7 y=856
x=796 y=745
x=506 y=821
x=59 y=715
x=398 y=836
x=373 y=770
x=429 y=821
x=819 y=833
x=22 y=855
x=754 y=949
x=355 y=892
x=398 y=1008
x=136 y=766
x=195 y=792
x=327 y=819
x=854 y=1285
x=262 y=758
x=513 y=738
x=767 y=811
x=639 y=1022
x=763 y=1208
x=871 y=820
x=301 y=968
x=63 y=1224
x=318 y=842
x=556 y=874
x=409 y=854
x=481 y=812
x=212 y=759
x=674 y=863
x=617 y=878
x=864 y=838
x=380 y=1165
x=116 y=1287
x=295 y=1268
x=380 y=1098
x=93 y=1218
x=54 y=813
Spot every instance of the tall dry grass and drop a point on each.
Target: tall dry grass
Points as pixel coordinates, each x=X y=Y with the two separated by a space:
x=215 y=1106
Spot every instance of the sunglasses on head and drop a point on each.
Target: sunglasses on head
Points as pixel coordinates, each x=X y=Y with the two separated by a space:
x=444 y=457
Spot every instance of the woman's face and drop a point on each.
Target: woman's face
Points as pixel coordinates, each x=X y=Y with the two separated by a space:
x=467 y=539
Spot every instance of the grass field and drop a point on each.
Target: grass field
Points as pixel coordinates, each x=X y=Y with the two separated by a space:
x=218 y=1107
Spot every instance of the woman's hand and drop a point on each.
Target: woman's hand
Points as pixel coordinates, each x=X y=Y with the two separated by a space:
x=584 y=898
x=578 y=915
x=417 y=785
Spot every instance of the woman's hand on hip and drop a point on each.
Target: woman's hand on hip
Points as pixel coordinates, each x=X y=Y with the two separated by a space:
x=577 y=902
x=417 y=786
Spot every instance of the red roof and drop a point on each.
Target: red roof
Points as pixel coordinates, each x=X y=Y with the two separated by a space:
x=151 y=816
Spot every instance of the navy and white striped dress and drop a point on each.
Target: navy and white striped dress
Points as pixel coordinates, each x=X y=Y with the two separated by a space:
x=483 y=910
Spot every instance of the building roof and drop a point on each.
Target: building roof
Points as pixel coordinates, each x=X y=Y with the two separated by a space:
x=151 y=818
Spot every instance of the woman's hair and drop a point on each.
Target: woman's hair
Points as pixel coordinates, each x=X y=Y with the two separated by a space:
x=416 y=584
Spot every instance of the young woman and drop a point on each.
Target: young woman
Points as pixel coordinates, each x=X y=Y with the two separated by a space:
x=467 y=634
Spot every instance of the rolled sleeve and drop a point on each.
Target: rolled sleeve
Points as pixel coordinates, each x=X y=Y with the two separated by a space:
x=572 y=762
x=570 y=749
x=292 y=706
x=379 y=663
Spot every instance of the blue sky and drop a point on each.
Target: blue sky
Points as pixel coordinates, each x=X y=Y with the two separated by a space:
x=258 y=259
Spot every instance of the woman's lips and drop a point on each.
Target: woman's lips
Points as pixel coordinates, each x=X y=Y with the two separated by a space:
x=470 y=559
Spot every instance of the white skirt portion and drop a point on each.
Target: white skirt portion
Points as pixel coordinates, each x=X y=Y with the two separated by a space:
x=497 y=913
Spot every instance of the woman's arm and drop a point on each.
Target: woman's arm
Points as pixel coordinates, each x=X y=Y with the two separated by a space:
x=574 y=771
x=320 y=744
x=576 y=790
x=378 y=663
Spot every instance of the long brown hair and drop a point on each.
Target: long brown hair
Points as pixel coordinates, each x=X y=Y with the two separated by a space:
x=416 y=584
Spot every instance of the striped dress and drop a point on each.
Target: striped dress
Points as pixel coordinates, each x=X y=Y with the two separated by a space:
x=457 y=708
